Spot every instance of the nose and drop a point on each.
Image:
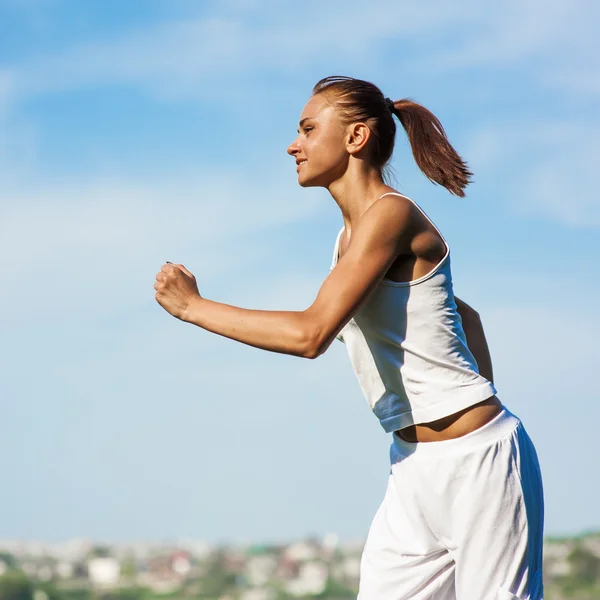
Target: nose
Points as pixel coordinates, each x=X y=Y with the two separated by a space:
x=293 y=148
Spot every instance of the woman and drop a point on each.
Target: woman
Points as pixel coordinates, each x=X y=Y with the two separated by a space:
x=463 y=513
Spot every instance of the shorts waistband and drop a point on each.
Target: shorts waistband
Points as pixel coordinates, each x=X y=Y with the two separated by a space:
x=501 y=426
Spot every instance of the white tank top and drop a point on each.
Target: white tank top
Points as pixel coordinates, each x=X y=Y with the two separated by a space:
x=408 y=349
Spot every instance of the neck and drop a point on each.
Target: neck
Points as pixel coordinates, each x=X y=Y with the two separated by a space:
x=358 y=188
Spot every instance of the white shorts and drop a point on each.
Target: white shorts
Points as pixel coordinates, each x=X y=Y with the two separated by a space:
x=461 y=520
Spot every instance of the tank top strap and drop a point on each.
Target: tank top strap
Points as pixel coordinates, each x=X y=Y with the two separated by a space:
x=336 y=249
x=423 y=213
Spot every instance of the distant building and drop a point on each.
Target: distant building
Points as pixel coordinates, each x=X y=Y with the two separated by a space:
x=164 y=574
x=331 y=542
x=257 y=594
x=311 y=580
x=103 y=572
x=260 y=569
x=180 y=563
x=592 y=544
x=64 y=570
x=351 y=568
x=556 y=558
x=301 y=551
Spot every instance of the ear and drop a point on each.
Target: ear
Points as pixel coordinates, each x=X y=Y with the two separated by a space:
x=357 y=137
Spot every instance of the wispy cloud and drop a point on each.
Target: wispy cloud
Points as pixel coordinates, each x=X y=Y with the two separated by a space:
x=198 y=56
x=551 y=167
x=5 y=91
x=552 y=43
x=510 y=32
x=18 y=151
x=109 y=374
x=84 y=240
x=562 y=186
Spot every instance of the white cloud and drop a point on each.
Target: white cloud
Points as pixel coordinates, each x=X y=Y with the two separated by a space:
x=78 y=257
x=6 y=84
x=551 y=167
x=561 y=182
x=209 y=56
x=198 y=56
x=565 y=192
x=18 y=152
x=511 y=31
x=553 y=44
x=577 y=80
x=92 y=244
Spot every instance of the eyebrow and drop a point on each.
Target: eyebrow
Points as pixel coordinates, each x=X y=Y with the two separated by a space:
x=301 y=124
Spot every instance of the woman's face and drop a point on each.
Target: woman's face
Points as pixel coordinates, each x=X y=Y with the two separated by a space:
x=320 y=148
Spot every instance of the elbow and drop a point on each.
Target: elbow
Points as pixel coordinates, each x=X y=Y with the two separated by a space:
x=312 y=349
x=312 y=343
x=477 y=318
x=314 y=352
x=311 y=353
x=474 y=317
x=468 y=314
x=474 y=314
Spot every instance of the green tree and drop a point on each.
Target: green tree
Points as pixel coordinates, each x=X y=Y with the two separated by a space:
x=15 y=585
x=51 y=591
x=128 y=568
x=133 y=593
x=76 y=594
x=585 y=565
x=217 y=580
x=338 y=590
x=100 y=552
x=9 y=560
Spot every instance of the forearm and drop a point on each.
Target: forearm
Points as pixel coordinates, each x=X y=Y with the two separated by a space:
x=476 y=340
x=286 y=332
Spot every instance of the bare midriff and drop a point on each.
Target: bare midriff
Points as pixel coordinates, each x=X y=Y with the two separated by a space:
x=453 y=426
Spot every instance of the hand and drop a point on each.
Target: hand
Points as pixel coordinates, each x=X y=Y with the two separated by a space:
x=175 y=289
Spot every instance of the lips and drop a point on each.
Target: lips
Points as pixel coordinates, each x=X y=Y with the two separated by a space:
x=300 y=162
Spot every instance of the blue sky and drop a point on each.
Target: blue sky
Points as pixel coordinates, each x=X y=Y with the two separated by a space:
x=134 y=133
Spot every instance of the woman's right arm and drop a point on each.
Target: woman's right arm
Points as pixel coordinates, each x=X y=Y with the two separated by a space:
x=476 y=340
x=384 y=232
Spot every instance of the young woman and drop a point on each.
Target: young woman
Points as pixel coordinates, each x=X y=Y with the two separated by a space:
x=463 y=513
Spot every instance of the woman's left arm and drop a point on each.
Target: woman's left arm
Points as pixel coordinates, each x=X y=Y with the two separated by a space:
x=476 y=340
x=378 y=238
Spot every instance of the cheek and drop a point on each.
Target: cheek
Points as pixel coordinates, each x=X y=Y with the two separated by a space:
x=325 y=150
x=331 y=154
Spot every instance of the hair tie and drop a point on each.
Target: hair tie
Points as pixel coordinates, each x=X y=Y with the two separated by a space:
x=390 y=104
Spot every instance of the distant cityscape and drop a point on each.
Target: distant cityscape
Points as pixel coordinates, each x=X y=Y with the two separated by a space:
x=81 y=569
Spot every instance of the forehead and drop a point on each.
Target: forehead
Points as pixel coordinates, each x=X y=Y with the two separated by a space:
x=317 y=107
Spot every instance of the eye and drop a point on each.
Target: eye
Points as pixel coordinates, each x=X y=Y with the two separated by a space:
x=307 y=130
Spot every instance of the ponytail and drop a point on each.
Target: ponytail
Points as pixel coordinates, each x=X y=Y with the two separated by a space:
x=432 y=151
x=357 y=100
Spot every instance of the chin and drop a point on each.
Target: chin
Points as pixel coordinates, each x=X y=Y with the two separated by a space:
x=307 y=182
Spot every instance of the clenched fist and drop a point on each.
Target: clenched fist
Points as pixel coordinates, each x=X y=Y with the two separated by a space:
x=175 y=289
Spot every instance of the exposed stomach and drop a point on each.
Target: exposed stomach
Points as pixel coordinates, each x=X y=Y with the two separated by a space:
x=453 y=426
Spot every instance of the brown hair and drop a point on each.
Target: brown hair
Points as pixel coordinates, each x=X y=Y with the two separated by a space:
x=358 y=100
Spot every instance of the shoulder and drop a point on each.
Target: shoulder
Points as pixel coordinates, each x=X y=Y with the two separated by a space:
x=389 y=218
x=390 y=205
x=393 y=203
